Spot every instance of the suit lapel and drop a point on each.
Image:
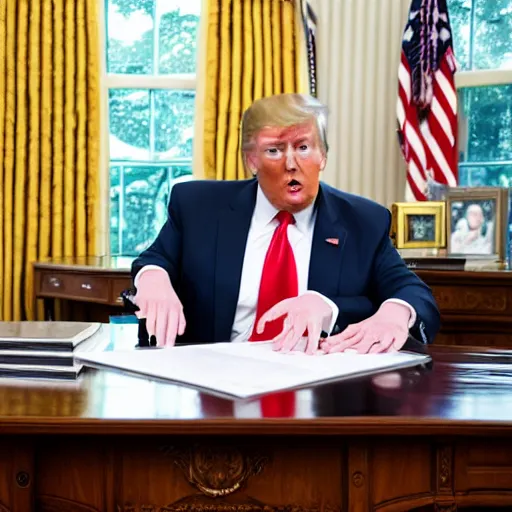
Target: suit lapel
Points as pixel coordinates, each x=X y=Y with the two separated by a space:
x=329 y=239
x=233 y=229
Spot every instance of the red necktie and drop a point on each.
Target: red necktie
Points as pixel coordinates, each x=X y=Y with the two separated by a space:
x=278 y=405
x=278 y=279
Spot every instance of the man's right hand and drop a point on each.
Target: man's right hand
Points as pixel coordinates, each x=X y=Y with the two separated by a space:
x=160 y=306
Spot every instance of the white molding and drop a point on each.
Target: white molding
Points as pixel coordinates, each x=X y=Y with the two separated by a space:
x=103 y=238
x=201 y=68
x=173 y=82
x=481 y=78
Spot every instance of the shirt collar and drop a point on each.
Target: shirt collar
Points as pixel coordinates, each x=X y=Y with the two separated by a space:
x=264 y=213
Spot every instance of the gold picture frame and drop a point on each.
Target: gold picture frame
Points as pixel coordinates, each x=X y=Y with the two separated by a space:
x=489 y=204
x=429 y=231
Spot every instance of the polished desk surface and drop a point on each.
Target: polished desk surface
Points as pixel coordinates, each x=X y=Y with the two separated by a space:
x=463 y=391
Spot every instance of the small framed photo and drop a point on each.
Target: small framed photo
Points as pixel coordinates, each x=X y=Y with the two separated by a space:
x=477 y=221
x=420 y=225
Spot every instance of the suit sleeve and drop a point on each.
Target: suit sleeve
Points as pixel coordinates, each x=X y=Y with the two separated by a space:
x=165 y=251
x=391 y=279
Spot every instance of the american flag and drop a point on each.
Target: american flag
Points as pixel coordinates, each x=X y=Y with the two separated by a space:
x=309 y=21
x=427 y=99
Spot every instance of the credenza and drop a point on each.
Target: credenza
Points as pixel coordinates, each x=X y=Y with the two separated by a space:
x=476 y=306
x=435 y=438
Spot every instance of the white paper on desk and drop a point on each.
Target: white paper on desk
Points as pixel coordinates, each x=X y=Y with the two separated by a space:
x=246 y=370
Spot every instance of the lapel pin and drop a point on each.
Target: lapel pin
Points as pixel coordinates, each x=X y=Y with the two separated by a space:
x=333 y=241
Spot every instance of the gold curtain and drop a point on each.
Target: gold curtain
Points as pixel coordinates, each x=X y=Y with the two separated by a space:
x=49 y=140
x=251 y=52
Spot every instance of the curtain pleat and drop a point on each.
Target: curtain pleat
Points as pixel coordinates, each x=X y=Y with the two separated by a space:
x=358 y=57
x=262 y=43
x=249 y=64
x=10 y=108
x=70 y=31
x=288 y=44
x=3 y=73
x=277 y=56
x=251 y=53
x=225 y=85
x=58 y=129
x=48 y=141
x=231 y=159
x=45 y=139
x=92 y=159
x=20 y=176
x=80 y=209
x=33 y=206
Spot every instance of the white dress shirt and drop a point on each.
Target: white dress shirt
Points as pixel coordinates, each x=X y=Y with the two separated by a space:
x=262 y=228
x=300 y=235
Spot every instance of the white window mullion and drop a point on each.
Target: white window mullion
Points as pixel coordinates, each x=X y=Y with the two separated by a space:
x=103 y=238
x=152 y=125
x=484 y=77
x=120 y=227
x=187 y=82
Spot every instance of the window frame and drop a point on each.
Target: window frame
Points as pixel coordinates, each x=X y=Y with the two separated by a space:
x=483 y=78
x=473 y=78
x=109 y=81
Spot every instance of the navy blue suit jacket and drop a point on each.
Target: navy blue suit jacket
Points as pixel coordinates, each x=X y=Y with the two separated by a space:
x=202 y=248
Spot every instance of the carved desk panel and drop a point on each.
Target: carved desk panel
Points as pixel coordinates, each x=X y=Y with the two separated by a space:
x=313 y=474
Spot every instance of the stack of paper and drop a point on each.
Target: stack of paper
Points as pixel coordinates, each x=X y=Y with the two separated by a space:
x=43 y=349
x=246 y=370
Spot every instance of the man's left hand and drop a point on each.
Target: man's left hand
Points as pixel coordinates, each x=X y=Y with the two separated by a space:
x=309 y=311
x=385 y=331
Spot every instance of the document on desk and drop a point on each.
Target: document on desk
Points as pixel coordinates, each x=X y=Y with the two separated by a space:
x=246 y=370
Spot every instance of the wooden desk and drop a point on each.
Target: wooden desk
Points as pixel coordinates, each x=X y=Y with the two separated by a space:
x=476 y=306
x=435 y=439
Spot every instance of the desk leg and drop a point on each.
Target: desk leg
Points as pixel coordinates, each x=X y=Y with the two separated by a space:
x=49 y=309
x=358 y=473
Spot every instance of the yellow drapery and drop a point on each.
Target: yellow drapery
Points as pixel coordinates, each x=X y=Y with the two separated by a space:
x=253 y=50
x=49 y=140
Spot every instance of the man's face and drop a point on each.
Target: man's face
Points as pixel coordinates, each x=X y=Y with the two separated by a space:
x=475 y=216
x=288 y=162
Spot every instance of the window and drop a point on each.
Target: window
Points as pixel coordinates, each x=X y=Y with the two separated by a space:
x=482 y=31
x=150 y=83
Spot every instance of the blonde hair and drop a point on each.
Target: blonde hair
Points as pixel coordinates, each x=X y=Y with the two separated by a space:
x=282 y=110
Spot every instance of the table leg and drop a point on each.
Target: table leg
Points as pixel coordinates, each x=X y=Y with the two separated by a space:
x=49 y=309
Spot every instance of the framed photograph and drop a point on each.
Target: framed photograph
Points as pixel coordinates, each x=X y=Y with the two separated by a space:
x=477 y=221
x=420 y=225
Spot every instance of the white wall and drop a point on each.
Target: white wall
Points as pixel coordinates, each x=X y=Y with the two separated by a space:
x=358 y=48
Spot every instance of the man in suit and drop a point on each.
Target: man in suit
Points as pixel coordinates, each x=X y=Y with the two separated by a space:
x=280 y=257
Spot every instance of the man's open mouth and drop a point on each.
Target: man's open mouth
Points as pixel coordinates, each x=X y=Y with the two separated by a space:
x=294 y=185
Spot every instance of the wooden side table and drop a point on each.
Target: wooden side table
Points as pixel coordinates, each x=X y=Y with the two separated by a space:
x=92 y=285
